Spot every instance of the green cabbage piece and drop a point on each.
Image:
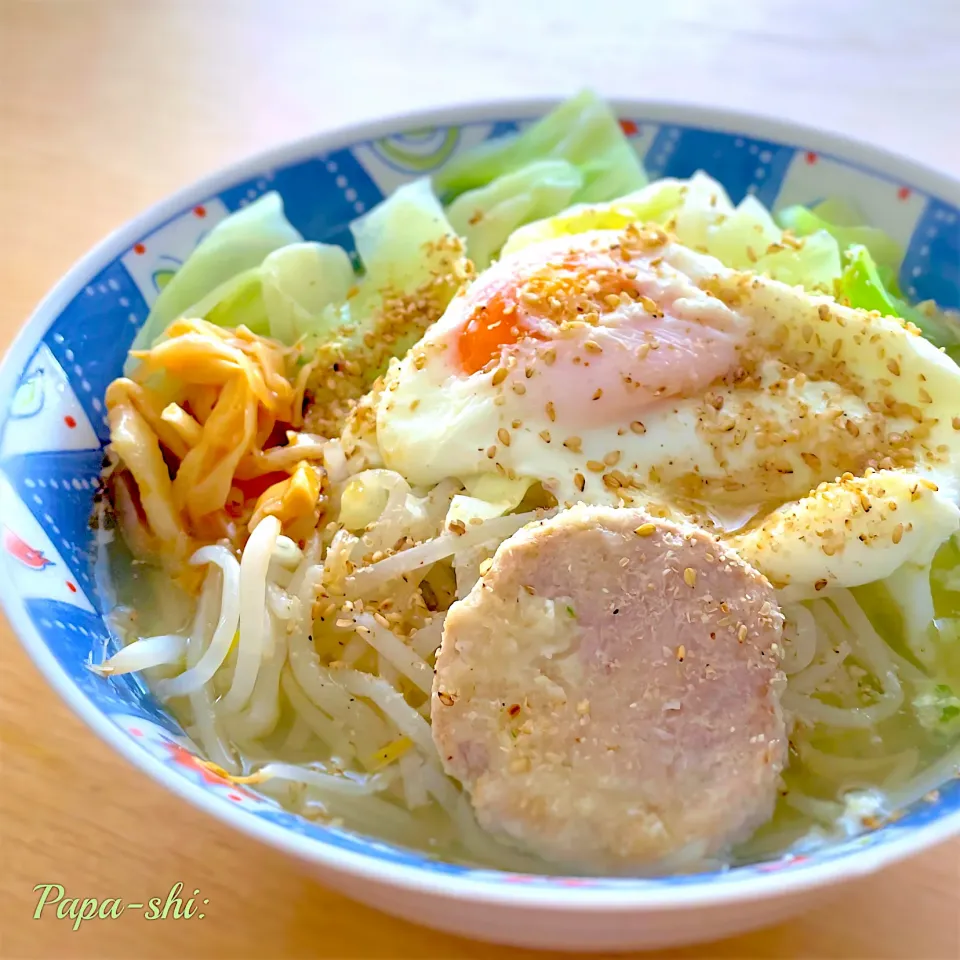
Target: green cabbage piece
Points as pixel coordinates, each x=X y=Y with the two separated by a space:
x=390 y=239
x=701 y=215
x=282 y=290
x=738 y=237
x=886 y=252
x=815 y=266
x=408 y=249
x=937 y=708
x=838 y=212
x=235 y=245
x=583 y=131
x=286 y=297
x=299 y=283
x=744 y=237
x=652 y=203
x=862 y=286
x=487 y=215
x=236 y=301
x=306 y=292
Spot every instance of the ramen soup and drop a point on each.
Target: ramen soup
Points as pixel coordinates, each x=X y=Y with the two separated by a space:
x=596 y=526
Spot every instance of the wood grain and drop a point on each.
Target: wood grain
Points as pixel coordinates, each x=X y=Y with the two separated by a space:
x=106 y=106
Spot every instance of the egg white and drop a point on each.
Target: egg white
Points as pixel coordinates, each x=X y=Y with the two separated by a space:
x=849 y=532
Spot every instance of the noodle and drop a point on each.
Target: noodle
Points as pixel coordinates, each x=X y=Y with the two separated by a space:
x=861 y=639
x=371 y=814
x=203 y=670
x=339 y=784
x=163 y=650
x=280 y=604
x=866 y=642
x=414 y=792
x=253 y=616
x=810 y=679
x=945 y=769
x=388 y=672
x=802 y=650
x=208 y=732
x=300 y=578
x=836 y=768
x=356 y=648
x=299 y=735
x=364 y=729
x=427 y=639
x=815 y=711
x=263 y=712
x=388 y=645
x=906 y=764
x=393 y=706
x=328 y=730
x=214 y=744
x=446 y=545
x=825 y=811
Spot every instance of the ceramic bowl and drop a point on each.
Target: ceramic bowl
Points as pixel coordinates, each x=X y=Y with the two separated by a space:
x=53 y=428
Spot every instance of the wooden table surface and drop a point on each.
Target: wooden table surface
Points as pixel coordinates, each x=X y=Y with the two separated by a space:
x=108 y=105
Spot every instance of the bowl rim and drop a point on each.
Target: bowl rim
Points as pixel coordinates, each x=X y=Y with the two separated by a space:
x=490 y=887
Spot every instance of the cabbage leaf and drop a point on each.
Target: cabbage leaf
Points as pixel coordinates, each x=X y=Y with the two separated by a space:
x=583 y=131
x=238 y=243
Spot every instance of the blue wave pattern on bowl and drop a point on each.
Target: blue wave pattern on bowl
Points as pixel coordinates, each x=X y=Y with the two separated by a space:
x=50 y=452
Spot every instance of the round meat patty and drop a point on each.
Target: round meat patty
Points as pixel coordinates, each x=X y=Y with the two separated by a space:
x=609 y=692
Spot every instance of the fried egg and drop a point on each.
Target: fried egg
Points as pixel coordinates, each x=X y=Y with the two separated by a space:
x=849 y=532
x=620 y=367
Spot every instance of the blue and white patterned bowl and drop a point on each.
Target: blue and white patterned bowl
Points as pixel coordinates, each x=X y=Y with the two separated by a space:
x=53 y=428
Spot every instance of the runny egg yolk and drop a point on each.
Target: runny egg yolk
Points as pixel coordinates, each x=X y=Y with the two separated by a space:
x=601 y=331
x=491 y=327
x=572 y=288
